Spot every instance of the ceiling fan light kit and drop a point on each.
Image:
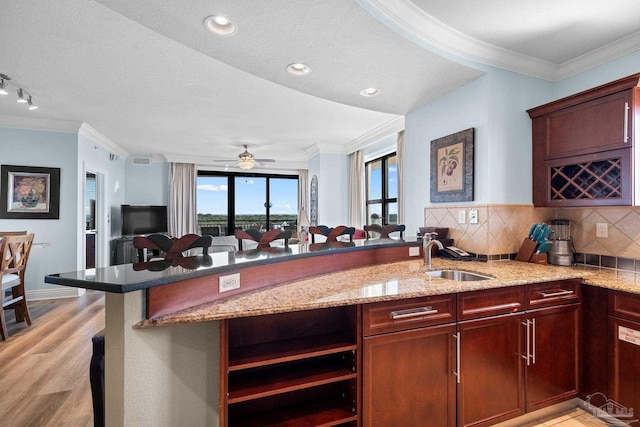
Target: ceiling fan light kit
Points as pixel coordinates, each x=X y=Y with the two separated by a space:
x=247 y=160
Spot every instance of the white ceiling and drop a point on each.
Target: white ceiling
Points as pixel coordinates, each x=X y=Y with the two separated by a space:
x=148 y=76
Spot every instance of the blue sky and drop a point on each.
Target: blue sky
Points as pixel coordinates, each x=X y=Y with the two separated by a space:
x=212 y=194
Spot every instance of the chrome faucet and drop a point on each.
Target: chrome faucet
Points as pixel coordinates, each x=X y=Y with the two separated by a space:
x=427 y=243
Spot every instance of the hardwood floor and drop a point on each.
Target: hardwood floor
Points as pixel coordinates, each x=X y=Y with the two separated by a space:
x=44 y=368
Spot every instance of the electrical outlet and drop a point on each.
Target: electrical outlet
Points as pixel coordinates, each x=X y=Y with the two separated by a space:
x=462 y=216
x=473 y=216
x=414 y=251
x=229 y=282
x=602 y=229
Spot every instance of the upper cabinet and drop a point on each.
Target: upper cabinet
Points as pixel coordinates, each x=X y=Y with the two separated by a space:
x=583 y=146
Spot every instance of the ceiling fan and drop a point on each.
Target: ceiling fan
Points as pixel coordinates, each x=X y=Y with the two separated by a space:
x=246 y=159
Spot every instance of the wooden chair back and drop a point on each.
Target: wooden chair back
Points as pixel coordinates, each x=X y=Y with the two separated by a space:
x=13 y=233
x=264 y=239
x=172 y=247
x=331 y=233
x=14 y=257
x=383 y=232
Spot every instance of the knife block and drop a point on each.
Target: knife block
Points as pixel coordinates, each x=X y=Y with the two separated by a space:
x=538 y=259
x=527 y=252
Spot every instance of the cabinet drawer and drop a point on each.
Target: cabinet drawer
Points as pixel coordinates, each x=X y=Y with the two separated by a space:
x=553 y=293
x=392 y=316
x=624 y=305
x=491 y=302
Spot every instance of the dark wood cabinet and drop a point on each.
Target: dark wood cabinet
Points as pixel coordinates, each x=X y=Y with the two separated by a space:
x=624 y=350
x=552 y=342
x=582 y=146
x=288 y=369
x=408 y=378
x=409 y=363
x=553 y=363
x=491 y=387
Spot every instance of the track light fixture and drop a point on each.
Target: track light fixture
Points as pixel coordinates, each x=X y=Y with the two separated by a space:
x=24 y=97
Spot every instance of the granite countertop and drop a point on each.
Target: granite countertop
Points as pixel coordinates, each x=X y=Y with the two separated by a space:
x=386 y=282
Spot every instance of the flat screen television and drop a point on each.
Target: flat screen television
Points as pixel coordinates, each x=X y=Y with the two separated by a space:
x=138 y=219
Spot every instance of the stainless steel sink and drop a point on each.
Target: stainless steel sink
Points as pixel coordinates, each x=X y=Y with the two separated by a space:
x=457 y=275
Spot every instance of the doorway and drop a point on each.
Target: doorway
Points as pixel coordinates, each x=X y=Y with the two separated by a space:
x=95 y=219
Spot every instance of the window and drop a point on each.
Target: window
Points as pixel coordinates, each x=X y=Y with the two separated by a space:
x=228 y=201
x=382 y=190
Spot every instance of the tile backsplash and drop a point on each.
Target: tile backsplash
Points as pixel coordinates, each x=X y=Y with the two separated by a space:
x=501 y=229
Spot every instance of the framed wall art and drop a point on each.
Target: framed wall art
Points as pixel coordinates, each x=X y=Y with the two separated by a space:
x=452 y=167
x=314 y=201
x=28 y=192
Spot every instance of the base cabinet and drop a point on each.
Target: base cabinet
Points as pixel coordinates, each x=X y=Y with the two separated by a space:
x=553 y=365
x=624 y=352
x=409 y=363
x=491 y=387
x=407 y=378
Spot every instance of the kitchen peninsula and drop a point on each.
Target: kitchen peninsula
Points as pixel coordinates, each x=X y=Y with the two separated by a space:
x=173 y=374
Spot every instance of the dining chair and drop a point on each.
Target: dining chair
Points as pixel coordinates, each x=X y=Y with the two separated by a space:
x=382 y=232
x=263 y=239
x=171 y=247
x=331 y=234
x=14 y=257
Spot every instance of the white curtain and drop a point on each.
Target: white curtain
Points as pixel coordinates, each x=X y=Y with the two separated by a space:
x=303 y=190
x=356 y=184
x=183 y=216
x=400 y=163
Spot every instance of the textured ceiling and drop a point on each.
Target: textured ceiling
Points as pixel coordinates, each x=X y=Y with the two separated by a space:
x=148 y=76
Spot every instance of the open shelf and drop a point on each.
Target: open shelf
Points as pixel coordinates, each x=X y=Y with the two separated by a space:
x=321 y=414
x=261 y=382
x=291 y=369
x=288 y=350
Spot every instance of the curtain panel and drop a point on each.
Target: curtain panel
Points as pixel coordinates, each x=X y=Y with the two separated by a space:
x=183 y=216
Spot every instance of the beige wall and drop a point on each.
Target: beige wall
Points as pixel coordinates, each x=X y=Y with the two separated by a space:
x=502 y=228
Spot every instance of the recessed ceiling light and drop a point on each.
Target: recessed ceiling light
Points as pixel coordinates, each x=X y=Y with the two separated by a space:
x=298 y=69
x=369 y=92
x=221 y=25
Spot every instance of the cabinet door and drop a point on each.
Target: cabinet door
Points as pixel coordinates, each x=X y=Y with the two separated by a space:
x=624 y=363
x=598 y=125
x=491 y=387
x=408 y=378
x=552 y=373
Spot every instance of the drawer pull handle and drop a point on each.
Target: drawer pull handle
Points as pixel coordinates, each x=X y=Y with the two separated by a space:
x=556 y=294
x=412 y=312
x=626 y=122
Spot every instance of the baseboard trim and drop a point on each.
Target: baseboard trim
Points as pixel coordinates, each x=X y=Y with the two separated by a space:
x=54 y=293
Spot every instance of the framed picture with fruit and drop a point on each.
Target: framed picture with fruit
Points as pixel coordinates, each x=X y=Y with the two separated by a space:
x=452 y=167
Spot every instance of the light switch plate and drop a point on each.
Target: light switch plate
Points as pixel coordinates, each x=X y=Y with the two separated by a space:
x=602 y=229
x=462 y=216
x=414 y=251
x=473 y=216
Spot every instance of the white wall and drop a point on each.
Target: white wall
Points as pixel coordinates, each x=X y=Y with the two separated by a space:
x=495 y=105
x=147 y=184
x=57 y=150
x=332 y=171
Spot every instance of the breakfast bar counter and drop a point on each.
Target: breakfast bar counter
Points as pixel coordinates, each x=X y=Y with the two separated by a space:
x=171 y=375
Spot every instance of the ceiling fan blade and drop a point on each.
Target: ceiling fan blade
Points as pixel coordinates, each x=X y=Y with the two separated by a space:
x=265 y=160
x=227 y=160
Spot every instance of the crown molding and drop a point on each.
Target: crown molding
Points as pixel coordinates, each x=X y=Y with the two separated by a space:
x=606 y=53
x=33 y=123
x=391 y=127
x=98 y=138
x=415 y=24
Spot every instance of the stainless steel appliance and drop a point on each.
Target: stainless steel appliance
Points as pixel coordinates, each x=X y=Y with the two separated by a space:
x=562 y=250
